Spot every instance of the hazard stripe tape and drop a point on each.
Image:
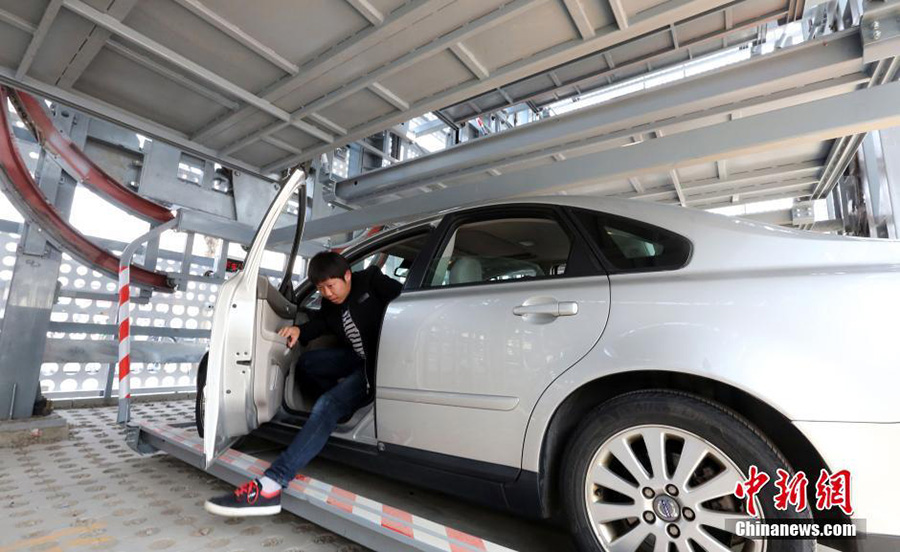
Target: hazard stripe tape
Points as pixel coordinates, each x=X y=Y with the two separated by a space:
x=367 y=511
x=124 y=333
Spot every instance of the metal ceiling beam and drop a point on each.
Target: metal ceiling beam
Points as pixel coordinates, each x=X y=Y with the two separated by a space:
x=281 y=144
x=619 y=13
x=170 y=74
x=116 y=27
x=93 y=43
x=799 y=184
x=397 y=21
x=38 y=37
x=824 y=119
x=328 y=123
x=844 y=148
x=103 y=110
x=16 y=21
x=676 y=182
x=491 y=20
x=800 y=192
x=382 y=92
x=68 y=77
x=738 y=182
x=580 y=18
x=468 y=59
x=722 y=169
x=648 y=20
x=617 y=138
x=643 y=60
x=203 y=12
x=794 y=70
x=367 y=10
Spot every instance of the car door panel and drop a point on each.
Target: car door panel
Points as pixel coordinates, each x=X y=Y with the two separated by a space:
x=237 y=343
x=459 y=372
x=272 y=359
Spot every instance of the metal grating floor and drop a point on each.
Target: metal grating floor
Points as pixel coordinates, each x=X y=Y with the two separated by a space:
x=94 y=493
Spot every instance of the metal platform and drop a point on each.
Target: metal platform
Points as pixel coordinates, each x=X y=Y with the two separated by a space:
x=368 y=522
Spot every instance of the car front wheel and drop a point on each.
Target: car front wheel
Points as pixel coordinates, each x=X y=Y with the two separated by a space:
x=656 y=471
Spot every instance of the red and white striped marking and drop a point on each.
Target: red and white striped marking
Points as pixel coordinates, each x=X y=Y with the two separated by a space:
x=124 y=332
x=366 y=512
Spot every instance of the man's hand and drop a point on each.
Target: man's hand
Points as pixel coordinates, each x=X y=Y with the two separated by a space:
x=292 y=333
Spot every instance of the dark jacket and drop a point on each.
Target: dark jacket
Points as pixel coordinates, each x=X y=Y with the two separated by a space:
x=370 y=293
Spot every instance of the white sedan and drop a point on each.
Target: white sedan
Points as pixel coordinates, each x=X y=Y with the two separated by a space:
x=626 y=368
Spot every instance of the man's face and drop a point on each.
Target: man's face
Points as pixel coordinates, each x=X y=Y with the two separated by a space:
x=335 y=290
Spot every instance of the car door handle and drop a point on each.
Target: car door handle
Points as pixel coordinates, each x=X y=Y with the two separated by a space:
x=559 y=308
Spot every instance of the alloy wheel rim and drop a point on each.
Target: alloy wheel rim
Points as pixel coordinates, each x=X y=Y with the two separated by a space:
x=660 y=488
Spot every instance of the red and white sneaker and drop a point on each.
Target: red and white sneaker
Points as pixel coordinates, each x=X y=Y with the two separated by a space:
x=247 y=500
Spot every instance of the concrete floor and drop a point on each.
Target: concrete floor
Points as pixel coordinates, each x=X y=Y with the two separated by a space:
x=94 y=493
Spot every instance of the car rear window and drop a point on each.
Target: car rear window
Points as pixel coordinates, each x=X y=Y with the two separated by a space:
x=632 y=246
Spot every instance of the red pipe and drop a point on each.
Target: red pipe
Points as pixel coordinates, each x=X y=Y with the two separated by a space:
x=84 y=169
x=24 y=192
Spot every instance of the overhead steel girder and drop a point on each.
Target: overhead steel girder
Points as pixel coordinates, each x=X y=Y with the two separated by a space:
x=25 y=194
x=764 y=190
x=121 y=117
x=758 y=77
x=397 y=21
x=552 y=89
x=824 y=119
x=79 y=166
x=736 y=183
x=647 y=20
x=844 y=148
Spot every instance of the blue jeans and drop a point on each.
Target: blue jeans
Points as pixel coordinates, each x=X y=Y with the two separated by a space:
x=322 y=367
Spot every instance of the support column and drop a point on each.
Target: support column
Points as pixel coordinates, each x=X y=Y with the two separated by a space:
x=871 y=162
x=890 y=150
x=32 y=292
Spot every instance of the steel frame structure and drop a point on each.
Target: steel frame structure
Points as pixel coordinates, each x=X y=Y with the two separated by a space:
x=596 y=28
x=824 y=119
x=814 y=69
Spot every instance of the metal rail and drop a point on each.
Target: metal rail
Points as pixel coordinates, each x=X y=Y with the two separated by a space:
x=77 y=164
x=368 y=522
x=27 y=196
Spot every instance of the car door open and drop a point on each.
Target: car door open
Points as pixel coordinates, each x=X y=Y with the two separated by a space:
x=248 y=361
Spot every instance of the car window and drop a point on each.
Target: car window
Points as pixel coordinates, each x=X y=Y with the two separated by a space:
x=501 y=250
x=630 y=245
x=394 y=260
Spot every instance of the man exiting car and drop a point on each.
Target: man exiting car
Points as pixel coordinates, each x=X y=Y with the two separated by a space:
x=353 y=306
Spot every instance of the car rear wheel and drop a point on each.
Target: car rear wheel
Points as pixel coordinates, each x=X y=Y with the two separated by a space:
x=652 y=469
x=200 y=399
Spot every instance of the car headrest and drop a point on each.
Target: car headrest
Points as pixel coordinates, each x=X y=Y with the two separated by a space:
x=465 y=270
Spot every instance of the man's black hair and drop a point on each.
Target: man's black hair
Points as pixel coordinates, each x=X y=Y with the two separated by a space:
x=325 y=265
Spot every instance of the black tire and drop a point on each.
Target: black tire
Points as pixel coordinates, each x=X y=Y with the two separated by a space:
x=199 y=399
x=732 y=435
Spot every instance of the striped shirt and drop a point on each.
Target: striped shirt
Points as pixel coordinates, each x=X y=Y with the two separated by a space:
x=352 y=333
